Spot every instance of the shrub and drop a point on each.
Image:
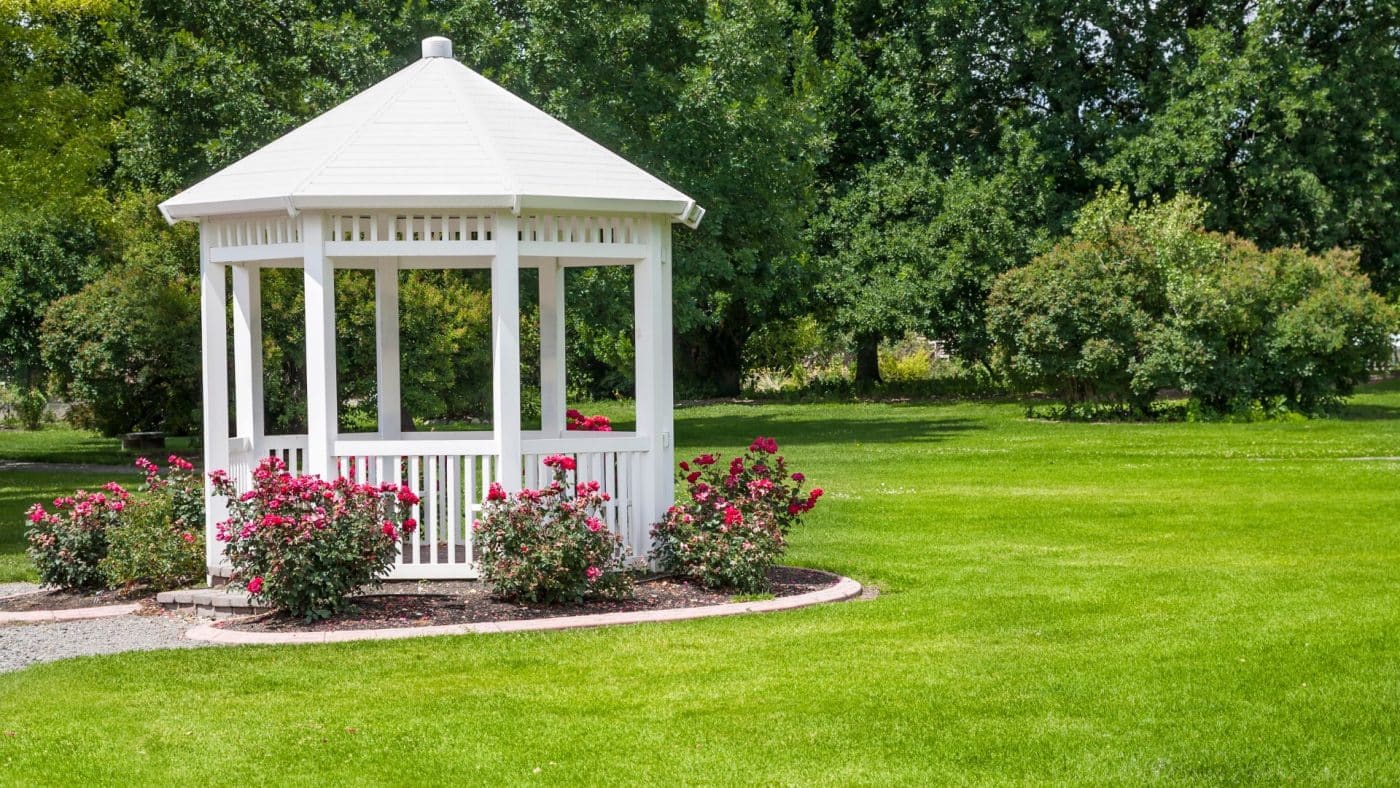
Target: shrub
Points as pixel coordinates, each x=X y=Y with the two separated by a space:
x=67 y=545
x=30 y=407
x=581 y=423
x=305 y=544
x=121 y=351
x=550 y=545
x=160 y=542
x=735 y=525
x=1136 y=301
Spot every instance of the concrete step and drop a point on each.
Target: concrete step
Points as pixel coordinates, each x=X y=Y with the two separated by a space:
x=210 y=602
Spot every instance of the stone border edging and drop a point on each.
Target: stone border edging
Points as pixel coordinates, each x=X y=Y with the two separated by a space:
x=72 y=614
x=844 y=589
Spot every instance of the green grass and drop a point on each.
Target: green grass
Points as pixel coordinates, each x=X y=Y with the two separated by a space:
x=1060 y=602
x=60 y=443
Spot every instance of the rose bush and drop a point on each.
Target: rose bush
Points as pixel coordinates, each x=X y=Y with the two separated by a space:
x=305 y=544
x=159 y=543
x=68 y=544
x=734 y=526
x=581 y=423
x=551 y=545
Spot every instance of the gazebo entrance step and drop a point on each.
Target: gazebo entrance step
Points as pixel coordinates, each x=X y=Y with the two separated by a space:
x=210 y=602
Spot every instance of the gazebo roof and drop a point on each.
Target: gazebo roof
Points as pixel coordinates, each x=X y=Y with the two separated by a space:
x=435 y=134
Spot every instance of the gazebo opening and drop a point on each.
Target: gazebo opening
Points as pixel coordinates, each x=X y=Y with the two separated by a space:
x=435 y=172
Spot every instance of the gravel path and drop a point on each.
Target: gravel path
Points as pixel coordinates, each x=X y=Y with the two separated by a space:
x=67 y=467
x=27 y=644
x=12 y=589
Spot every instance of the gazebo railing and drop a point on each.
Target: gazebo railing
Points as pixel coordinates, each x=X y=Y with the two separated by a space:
x=452 y=472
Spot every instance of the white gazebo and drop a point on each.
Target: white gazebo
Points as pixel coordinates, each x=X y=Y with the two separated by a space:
x=437 y=167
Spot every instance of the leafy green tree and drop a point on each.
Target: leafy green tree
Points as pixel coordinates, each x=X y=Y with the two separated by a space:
x=716 y=98
x=58 y=99
x=43 y=256
x=905 y=250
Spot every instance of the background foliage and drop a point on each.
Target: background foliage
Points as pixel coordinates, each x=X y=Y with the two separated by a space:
x=868 y=164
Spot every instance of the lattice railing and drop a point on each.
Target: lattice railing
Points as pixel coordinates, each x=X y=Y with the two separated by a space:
x=409 y=226
x=551 y=228
x=254 y=231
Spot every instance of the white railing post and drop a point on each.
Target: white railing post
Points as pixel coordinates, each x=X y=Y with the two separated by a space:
x=321 y=405
x=213 y=330
x=552 y=366
x=248 y=354
x=505 y=342
x=386 y=345
x=652 y=315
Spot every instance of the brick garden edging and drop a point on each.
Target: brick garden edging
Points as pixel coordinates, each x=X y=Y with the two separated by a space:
x=844 y=589
x=75 y=614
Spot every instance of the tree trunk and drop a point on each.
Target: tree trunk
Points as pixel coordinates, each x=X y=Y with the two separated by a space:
x=867 y=360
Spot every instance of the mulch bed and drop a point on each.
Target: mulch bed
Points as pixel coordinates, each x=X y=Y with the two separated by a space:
x=432 y=603
x=54 y=599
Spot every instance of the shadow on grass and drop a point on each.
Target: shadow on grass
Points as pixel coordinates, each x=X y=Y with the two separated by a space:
x=794 y=428
x=1364 y=411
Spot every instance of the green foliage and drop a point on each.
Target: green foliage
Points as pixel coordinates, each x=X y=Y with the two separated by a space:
x=120 y=350
x=58 y=94
x=872 y=165
x=1134 y=301
x=718 y=99
x=30 y=406
x=152 y=550
x=42 y=257
x=906 y=250
x=551 y=545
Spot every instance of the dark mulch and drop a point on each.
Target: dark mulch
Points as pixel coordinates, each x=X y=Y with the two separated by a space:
x=465 y=602
x=54 y=599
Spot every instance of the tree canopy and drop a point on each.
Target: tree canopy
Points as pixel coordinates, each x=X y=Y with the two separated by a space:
x=871 y=163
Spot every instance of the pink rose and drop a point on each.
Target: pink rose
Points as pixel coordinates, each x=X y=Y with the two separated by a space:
x=560 y=461
x=255 y=585
x=188 y=537
x=593 y=573
x=594 y=524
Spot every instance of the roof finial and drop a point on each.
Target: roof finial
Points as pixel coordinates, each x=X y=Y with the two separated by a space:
x=437 y=46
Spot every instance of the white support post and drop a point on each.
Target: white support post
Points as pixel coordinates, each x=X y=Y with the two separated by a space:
x=652 y=315
x=552 y=366
x=386 y=346
x=321 y=404
x=248 y=353
x=505 y=356
x=213 y=330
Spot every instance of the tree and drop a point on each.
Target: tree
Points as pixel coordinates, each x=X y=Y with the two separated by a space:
x=905 y=250
x=718 y=99
x=43 y=256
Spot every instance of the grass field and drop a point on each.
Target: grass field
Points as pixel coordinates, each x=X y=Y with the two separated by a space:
x=1061 y=602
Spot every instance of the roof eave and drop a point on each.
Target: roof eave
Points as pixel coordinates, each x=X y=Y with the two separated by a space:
x=684 y=211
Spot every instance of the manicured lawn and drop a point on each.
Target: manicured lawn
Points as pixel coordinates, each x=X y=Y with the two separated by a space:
x=58 y=443
x=1067 y=602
